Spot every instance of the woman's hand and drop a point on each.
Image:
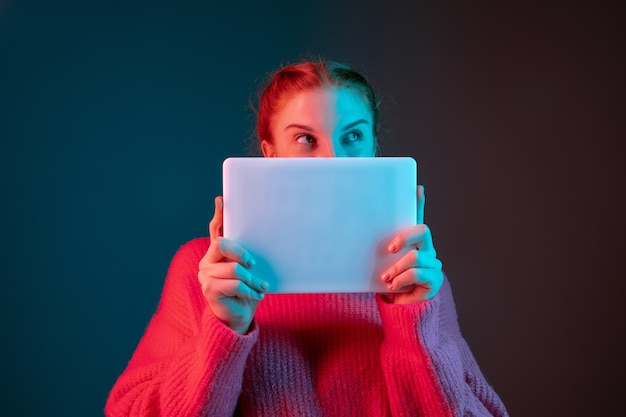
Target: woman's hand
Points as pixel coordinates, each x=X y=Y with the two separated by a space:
x=418 y=271
x=231 y=290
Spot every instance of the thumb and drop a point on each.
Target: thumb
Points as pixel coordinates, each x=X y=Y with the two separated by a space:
x=421 y=202
x=217 y=222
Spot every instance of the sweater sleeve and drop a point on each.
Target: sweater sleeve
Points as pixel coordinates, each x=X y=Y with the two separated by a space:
x=428 y=366
x=187 y=363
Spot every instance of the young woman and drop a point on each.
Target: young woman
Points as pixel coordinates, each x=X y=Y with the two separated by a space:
x=219 y=346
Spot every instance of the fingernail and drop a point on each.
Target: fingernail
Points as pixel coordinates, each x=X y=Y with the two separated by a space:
x=265 y=285
x=386 y=276
x=251 y=262
x=392 y=247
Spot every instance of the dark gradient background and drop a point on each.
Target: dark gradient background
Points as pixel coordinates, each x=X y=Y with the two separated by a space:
x=115 y=118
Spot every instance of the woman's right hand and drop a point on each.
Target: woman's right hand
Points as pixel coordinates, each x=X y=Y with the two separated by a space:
x=229 y=287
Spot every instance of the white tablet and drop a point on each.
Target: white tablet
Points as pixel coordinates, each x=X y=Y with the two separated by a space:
x=319 y=225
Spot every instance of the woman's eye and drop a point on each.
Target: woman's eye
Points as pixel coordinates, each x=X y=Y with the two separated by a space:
x=353 y=136
x=305 y=139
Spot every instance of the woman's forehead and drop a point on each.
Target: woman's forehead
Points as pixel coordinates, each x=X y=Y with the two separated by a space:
x=328 y=105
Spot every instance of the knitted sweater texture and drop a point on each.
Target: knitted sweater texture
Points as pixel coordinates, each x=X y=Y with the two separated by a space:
x=305 y=355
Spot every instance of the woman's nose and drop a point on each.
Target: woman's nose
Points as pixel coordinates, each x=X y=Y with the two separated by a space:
x=326 y=149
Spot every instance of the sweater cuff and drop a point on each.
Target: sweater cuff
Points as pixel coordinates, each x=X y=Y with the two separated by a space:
x=406 y=323
x=223 y=341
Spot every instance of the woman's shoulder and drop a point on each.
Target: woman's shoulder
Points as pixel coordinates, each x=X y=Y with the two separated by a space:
x=195 y=248
x=189 y=254
x=183 y=270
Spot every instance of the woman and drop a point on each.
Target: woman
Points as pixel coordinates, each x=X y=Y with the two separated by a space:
x=219 y=346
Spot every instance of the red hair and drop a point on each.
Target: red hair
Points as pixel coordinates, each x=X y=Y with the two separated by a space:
x=302 y=76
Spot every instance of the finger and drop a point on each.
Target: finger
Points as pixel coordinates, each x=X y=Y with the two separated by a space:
x=233 y=270
x=421 y=203
x=234 y=288
x=217 y=222
x=227 y=249
x=418 y=236
x=411 y=259
x=426 y=278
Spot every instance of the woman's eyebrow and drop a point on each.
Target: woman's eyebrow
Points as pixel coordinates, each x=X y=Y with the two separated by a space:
x=299 y=126
x=310 y=129
x=351 y=125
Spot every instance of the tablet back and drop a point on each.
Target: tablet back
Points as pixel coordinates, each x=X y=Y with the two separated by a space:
x=319 y=224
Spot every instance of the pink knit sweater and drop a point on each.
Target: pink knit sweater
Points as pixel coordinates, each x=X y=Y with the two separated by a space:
x=305 y=355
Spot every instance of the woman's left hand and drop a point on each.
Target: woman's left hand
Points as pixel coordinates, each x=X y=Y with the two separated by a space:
x=418 y=273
